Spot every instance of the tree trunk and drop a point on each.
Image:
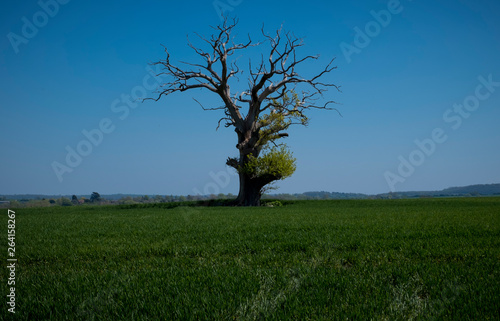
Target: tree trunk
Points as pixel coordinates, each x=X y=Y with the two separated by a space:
x=250 y=191
x=250 y=188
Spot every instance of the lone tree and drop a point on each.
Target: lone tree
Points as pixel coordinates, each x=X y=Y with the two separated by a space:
x=272 y=101
x=95 y=197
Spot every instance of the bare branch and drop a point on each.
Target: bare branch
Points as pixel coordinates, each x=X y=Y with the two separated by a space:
x=233 y=162
x=216 y=108
x=269 y=81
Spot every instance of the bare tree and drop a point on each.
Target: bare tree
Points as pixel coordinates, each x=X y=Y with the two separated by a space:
x=272 y=97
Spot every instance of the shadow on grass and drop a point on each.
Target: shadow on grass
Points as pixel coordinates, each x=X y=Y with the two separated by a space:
x=204 y=203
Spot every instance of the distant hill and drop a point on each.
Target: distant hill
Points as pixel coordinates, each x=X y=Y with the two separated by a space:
x=463 y=191
x=471 y=190
x=482 y=189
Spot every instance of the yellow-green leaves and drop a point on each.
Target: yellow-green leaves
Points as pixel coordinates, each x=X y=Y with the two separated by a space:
x=275 y=161
x=282 y=114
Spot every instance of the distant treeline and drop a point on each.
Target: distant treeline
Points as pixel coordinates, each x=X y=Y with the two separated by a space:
x=30 y=200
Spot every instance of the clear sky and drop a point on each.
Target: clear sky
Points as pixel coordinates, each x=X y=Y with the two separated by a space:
x=420 y=97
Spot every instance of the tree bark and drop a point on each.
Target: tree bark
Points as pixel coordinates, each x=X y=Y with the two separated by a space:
x=250 y=192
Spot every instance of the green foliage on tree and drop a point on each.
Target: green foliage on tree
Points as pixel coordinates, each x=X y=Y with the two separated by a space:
x=276 y=161
x=282 y=115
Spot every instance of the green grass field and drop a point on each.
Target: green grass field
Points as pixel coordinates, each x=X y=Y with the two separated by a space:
x=312 y=260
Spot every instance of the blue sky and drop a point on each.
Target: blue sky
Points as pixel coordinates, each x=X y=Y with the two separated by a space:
x=409 y=71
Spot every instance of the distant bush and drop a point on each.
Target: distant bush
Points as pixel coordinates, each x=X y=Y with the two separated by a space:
x=15 y=204
x=272 y=203
x=64 y=201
